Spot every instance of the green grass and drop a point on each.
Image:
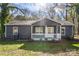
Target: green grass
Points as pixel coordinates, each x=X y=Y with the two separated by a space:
x=76 y=45
x=9 y=45
x=20 y=48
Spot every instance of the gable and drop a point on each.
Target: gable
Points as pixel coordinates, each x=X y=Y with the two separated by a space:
x=45 y=22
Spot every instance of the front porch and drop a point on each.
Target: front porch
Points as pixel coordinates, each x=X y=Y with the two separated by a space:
x=46 y=33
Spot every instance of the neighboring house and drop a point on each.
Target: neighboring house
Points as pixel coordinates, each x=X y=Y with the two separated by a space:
x=44 y=29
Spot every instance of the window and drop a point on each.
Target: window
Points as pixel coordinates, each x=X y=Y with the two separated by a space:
x=38 y=29
x=50 y=30
x=15 y=30
x=63 y=30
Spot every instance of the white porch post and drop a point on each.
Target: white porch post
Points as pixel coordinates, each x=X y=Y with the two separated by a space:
x=56 y=31
x=31 y=32
x=60 y=32
x=45 y=30
x=58 y=35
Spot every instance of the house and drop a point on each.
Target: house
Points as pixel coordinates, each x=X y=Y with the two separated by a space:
x=45 y=29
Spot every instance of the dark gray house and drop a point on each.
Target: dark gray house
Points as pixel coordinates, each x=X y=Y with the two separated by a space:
x=44 y=29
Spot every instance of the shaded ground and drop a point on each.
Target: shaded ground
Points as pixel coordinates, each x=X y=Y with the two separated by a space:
x=20 y=48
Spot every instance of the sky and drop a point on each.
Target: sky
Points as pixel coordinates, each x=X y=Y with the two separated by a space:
x=34 y=6
x=37 y=6
x=30 y=6
x=39 y=1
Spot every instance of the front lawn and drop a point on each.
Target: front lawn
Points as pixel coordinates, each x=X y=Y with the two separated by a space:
x=76 y=45
x=20 y=48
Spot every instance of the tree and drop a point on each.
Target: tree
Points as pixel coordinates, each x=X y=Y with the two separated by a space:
x=50 y=9
x=20 y=17
x=77 y=13
x=5 y=8
x=74 y=15
x=71 y=15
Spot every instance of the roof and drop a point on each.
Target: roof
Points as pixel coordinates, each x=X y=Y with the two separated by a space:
x=62 y=22
x=30 y=22
x=20 y=23
x=67 y=23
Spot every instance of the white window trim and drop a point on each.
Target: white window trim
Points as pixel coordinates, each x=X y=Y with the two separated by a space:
x=47 y=30
x=35 y=33
x=38 y=32
x=13 y=29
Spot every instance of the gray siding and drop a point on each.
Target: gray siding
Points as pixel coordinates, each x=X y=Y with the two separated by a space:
x=68 y=31
x=24 y=32
x=9 y=32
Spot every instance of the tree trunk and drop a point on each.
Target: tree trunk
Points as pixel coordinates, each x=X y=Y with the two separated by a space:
x=66 y=14
x=2 y=29
x=78 y=28
x=4 y=14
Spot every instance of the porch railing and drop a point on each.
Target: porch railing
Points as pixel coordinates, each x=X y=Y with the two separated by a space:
x=55 y=36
